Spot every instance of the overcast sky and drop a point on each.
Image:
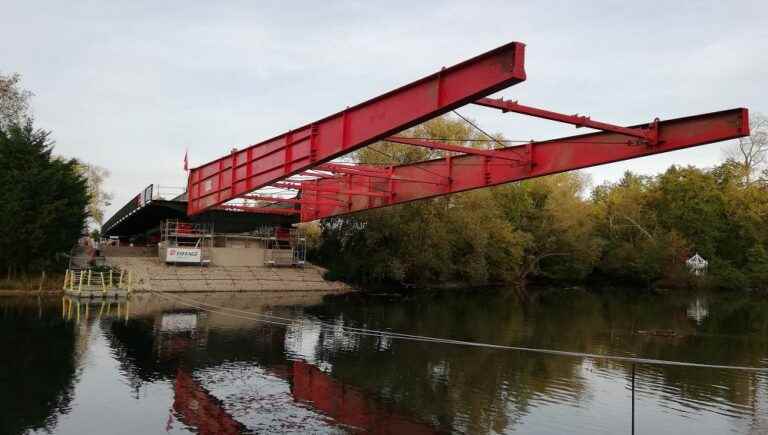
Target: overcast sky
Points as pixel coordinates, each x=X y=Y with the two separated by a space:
x=130 y=85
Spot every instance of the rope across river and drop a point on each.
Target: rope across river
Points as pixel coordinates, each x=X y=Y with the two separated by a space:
x=285 y=321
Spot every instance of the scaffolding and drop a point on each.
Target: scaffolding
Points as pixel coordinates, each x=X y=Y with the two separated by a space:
x=285 y=247
x=179 y=236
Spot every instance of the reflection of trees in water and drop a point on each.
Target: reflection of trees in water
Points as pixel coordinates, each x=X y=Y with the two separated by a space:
x=463 y=389
x=483 y=390
x=37 y=371
x=733 y=333
x=147 y=354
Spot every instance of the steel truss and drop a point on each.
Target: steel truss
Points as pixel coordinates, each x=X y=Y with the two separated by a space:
x=301 y=168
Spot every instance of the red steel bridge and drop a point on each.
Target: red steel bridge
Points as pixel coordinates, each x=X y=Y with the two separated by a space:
x=301 y=167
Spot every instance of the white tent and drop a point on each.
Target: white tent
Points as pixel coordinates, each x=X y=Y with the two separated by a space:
x=697 y=264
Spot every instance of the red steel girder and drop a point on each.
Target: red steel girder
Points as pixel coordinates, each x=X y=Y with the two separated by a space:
x=246 y=170
x=262 y=210
x=468 y=172
x=366 y=171
x=290 y=200
x=649 y=133
x=313 y=185
x=428 y=143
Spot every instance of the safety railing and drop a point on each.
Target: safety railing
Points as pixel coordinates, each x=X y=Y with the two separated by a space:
x=86 y=279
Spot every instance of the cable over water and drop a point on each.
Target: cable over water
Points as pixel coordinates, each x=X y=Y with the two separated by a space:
x=285 y=321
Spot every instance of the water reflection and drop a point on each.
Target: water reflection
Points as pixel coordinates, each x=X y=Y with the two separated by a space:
x=33 y=391
x=174 y=369
x=698 y=309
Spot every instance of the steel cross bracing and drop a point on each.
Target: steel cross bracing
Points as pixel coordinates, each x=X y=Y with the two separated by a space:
x=299 y=172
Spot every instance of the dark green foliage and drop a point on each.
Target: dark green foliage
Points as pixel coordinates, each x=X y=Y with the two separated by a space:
x=38 y=367
x=42 y=201
x=649 y=226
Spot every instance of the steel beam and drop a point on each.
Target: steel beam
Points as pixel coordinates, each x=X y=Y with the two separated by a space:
x=262 y=210
x=246 y=170
x=270 y=198
x=309 y=186
x=433 y=144
x=468 y=172
x=647 y=133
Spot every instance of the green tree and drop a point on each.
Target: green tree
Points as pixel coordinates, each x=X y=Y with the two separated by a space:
x=556 y=223
x=504 y=234
x=43 y=202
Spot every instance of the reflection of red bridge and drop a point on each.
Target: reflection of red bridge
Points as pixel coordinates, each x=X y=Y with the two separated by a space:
x=198 y=408
x=346 y=405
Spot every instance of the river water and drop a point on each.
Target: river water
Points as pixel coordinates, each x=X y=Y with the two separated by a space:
x=158 y=365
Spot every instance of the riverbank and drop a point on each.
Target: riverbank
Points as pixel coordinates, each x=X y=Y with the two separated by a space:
x=151 y=274
x=48 y=283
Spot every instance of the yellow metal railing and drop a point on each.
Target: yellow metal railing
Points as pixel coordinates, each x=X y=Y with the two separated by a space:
x=75 y=280
x=122 y=308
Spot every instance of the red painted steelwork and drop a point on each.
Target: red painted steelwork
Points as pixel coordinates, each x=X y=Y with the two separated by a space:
x=648 y=133
x=262 y=210
x=262 y=164
x=312 y=186
x=348 y=406
x=198 y=408
x=466 y=172
x=449 y=147
x=288 y=200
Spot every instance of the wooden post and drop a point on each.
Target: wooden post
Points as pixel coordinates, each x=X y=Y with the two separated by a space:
x=80 y=288
x=42 y=279
x=66 y=278
x=103 y=285
x=110 y=278
x=120 y=283
x=89 y=277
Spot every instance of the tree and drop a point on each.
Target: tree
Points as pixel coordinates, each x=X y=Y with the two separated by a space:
x=14 y=101
x=96 y=175
x=752 y=151
x=42 y=203
x=537 y=228
x=556 y=223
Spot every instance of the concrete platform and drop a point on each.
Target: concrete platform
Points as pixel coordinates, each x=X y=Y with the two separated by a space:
x=152 y=274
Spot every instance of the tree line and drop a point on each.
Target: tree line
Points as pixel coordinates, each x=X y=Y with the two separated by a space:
x=639 y=230
x=46 y=201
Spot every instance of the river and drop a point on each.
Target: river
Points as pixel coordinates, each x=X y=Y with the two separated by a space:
x=160 y=365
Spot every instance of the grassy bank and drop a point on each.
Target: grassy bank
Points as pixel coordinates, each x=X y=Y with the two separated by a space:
x=30 y=283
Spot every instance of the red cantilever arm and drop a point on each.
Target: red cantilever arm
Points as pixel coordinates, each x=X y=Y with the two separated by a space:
x=647 y=134
x=468 y=172
x=262 y=164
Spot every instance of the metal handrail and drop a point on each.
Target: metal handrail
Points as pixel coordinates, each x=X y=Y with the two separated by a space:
x=75 y=279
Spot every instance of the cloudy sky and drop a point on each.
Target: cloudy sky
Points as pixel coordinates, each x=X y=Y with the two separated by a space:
x=130 y=85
